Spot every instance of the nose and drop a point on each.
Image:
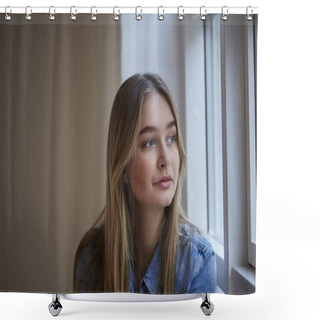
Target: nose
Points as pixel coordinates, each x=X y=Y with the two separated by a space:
x=163 y=157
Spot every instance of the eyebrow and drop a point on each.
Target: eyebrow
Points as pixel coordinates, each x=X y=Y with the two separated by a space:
x=150 y=129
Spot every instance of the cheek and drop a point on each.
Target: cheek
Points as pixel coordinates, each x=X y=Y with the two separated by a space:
x=176 y=162
x=141 y=173
x=175 y=166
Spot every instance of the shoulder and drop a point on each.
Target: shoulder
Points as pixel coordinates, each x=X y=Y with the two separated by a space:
x=194 y=249
x=189 y=236
x=196 y=262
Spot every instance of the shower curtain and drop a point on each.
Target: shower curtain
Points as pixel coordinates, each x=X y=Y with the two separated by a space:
x=58 y=82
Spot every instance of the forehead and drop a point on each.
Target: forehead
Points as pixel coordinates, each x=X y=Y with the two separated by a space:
x=156 y=111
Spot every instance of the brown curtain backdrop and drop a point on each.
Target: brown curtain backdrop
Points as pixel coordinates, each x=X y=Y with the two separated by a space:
x=57 y=84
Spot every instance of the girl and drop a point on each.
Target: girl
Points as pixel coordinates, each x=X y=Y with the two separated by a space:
x=144 y=242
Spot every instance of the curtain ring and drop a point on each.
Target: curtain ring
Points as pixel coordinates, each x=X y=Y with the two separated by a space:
x=160 y=16
x=93 y=15
x=73 y=13
x=224 y=13
x=7 y=11
x=203 y=13
x=28 y=13
x=249 y=16
x=116 y=16
x=52 y=12
x=180 y=14
x=138 y=16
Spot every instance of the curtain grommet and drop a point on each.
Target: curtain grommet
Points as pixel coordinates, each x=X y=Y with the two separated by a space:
x=28 y=13
x=73 y=13
x=180 y=14
x=7 y=12
x=249 y=15
x=116 y=15
x=52 y=12
x=93 y=13
x=138 y=15
x=160 y=15
x=203 y=13
x=224 y=13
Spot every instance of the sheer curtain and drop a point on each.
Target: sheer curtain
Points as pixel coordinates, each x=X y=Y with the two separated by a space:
x=57 y=84
x=175 y=50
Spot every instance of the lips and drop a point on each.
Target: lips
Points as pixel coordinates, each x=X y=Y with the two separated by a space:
x=164 y=182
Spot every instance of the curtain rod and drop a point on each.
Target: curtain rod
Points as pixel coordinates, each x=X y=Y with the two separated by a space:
x=129 y=10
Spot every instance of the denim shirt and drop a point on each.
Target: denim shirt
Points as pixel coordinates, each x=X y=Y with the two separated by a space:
x=195 y=267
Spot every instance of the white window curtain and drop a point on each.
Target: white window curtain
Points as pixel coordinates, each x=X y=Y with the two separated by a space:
x=176 y=52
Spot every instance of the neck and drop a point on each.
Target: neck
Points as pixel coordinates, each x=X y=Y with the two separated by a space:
x=148 y=229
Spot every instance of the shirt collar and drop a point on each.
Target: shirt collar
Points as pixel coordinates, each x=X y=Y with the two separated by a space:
x=151 y=279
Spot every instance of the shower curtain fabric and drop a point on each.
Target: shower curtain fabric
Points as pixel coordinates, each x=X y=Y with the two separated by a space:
x=57 y=85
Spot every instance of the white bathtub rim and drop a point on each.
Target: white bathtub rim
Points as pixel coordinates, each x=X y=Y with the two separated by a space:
x=128 y=297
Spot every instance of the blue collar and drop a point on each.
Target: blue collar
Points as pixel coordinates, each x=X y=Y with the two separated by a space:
x=149 y=283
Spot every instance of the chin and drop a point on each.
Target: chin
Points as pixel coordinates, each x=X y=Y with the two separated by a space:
x=162 y=201
x=166 y=203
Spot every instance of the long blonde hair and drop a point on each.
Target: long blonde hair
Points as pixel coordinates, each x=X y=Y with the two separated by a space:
x=114 y=251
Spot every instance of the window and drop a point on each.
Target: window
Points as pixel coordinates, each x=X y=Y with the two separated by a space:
x=230 y=60
x=214 y=132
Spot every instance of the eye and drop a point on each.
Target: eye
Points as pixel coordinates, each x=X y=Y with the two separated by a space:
x=149 y=143
x=172 y=138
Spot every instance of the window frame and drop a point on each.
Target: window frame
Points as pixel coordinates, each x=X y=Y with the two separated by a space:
x=251 y=74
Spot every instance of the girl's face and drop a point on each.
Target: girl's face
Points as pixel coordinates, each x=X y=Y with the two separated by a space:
x=154 y=169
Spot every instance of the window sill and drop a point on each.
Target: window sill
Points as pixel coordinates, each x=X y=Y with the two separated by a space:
x=243 y=279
